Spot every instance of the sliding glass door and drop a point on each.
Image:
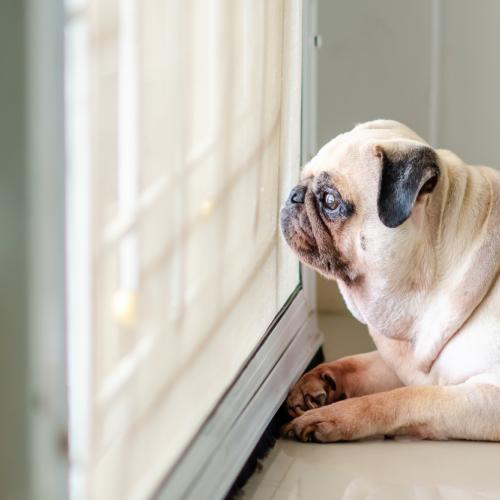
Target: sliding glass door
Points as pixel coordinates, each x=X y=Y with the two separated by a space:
x=183 y=136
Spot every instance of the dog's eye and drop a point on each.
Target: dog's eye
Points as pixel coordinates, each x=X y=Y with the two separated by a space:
x=331 y=202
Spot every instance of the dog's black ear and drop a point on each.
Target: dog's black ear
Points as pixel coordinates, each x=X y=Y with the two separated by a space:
x=406 y=175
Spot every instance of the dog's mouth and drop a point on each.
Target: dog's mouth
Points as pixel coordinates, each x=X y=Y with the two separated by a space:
x=309 y=237
x=297 y=230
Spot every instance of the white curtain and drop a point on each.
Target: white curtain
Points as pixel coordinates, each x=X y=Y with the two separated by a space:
x=190 y=118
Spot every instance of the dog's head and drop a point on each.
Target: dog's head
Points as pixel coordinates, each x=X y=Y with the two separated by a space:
x=360 y=199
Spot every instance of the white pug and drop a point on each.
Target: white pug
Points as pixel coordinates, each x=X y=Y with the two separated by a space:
x=412 y=235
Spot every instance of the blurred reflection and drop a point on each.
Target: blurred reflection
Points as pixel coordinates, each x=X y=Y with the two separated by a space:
x=383 y=470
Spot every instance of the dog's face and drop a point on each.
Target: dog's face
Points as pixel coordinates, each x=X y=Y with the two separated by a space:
x=360 y=199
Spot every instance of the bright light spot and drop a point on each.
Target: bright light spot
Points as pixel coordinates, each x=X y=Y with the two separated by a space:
x=207 y=207
x=125 y=308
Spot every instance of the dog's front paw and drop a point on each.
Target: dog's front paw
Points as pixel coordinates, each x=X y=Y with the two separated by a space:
x=315 y=425
x=318 y=387
x=342 y=421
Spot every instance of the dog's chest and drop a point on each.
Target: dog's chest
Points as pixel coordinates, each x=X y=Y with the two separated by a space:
x=400 y=356
x=472 y=351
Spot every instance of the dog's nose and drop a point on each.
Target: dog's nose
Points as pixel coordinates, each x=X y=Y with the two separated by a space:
x=297 y=195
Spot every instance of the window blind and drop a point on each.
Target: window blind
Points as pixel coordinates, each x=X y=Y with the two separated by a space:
x=183 y=138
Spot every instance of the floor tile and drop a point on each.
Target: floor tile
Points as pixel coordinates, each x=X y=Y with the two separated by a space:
x=385 y=470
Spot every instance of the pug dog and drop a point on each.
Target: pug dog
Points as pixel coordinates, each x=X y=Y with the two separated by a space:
x=412 y=236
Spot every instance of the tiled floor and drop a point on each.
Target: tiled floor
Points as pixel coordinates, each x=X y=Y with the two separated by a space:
x=375 y=469
x=378 y=470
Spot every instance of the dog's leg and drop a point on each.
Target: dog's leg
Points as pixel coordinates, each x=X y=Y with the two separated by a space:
x=345 y=378
x=465 y=411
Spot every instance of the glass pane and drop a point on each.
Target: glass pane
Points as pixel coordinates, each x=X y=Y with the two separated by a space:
x=191 y=112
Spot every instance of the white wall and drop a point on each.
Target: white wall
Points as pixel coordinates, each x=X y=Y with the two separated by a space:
x=432 y=64
x=469 y=101
x=374 y=62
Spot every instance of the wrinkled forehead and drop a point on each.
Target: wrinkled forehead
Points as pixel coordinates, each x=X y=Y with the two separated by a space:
x=336 y=167
x=352 y=153
x=336 y=158
x=348 y=160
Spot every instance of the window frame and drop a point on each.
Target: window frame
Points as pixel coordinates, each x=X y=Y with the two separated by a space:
x=48 y=422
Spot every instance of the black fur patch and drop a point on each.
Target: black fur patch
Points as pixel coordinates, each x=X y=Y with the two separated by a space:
x=403 y=179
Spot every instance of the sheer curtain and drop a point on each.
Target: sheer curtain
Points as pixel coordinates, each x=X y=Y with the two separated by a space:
x=183 y=122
